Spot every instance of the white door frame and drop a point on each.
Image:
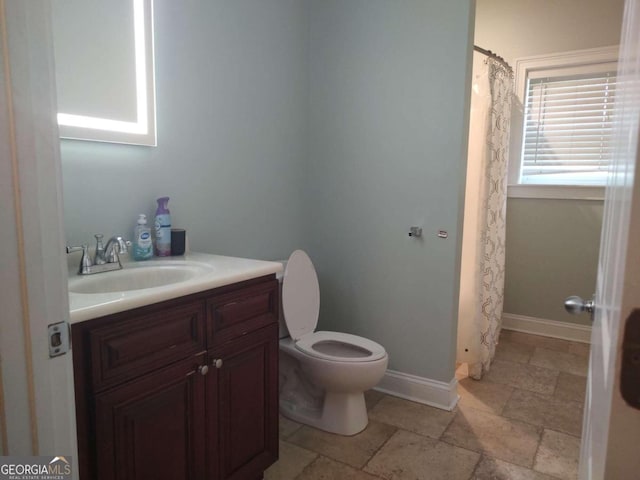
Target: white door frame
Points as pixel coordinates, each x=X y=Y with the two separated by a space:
x=37 y=402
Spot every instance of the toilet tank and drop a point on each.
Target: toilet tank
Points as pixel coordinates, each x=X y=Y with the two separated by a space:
x=282 y=331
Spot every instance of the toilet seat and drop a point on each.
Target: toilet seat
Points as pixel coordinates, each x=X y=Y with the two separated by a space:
x=301 y=308
x=340 y=347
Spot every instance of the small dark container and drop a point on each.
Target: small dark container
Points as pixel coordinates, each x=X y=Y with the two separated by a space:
x=178 y=239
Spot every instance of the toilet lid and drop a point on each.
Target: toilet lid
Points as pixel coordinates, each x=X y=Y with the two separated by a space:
x=300 y=295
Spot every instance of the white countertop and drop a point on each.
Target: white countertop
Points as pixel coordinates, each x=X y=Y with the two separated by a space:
x=220 y=271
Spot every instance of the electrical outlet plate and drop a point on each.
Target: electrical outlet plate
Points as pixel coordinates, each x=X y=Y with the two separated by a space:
x=58 y=339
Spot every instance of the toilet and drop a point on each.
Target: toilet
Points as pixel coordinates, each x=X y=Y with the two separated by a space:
x=323 y=375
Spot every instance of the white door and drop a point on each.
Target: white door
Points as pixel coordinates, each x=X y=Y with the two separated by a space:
x=611 y=434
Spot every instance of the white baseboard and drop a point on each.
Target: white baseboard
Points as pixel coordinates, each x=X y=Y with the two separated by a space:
x=547 y=328
x=419 y=389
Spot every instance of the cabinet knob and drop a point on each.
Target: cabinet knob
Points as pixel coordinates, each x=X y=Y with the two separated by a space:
x=217 y=362
x=203 y=369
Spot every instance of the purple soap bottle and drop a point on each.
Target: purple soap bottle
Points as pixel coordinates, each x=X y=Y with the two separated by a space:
x=163 y=228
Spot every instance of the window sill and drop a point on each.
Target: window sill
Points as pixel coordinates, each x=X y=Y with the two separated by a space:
x=560 y=192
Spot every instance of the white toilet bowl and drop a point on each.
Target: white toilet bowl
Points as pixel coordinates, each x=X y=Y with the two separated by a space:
x=323 y=375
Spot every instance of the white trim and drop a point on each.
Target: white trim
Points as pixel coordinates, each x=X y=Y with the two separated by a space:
x=419 y=389
x=561 y=192
x=573 y=58
x=547 y=328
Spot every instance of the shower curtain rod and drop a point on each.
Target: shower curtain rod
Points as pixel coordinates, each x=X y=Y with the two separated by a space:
x=490 y=54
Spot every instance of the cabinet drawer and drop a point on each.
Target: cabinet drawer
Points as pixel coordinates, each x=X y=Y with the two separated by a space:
x=139 y=344
x=240 y=311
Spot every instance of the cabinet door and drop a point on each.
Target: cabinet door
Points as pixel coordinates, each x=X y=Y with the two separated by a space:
x=153 y=427
x=243 y=401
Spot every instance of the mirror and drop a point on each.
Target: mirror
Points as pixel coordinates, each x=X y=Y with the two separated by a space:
x=104 y=70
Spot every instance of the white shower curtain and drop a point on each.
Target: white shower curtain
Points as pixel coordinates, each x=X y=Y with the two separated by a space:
x=483 y=248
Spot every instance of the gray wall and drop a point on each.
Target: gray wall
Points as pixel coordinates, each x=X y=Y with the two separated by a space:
x=552 y=252
x=232 y=89
x=388 y=125
x=330 y=125
x=552 y=245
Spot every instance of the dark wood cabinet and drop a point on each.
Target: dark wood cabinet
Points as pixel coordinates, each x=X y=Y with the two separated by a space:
x=245 y=392
x=160 y=396
x=154 y=427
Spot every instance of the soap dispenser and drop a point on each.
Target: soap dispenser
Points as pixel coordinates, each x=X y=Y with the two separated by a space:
x=163 y=228
x=142 y=244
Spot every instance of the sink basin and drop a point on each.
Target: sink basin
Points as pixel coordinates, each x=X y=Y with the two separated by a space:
x=152 y=281
x=138 y=276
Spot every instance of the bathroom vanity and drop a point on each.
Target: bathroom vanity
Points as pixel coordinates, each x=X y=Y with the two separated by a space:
x=184 y=388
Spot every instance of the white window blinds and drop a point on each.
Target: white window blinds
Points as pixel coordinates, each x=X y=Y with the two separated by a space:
x=567 y=129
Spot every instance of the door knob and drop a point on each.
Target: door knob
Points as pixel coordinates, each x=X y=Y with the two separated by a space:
x=576 y=305
x=203 y=369
x=217 y=363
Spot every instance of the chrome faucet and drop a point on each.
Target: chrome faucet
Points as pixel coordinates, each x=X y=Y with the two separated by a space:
x=106 y=258
x=116 y=245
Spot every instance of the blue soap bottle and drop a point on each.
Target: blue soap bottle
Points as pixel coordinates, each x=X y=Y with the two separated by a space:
x=142 y=243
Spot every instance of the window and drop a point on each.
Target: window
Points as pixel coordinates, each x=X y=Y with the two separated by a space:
x=567 y=129
x=564 y=135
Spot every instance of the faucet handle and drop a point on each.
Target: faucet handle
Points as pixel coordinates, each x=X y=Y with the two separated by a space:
x=99 y=258
x=85 y=261
x=75 y=249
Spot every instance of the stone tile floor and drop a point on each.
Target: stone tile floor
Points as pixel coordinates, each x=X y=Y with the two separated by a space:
x=521 y=422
